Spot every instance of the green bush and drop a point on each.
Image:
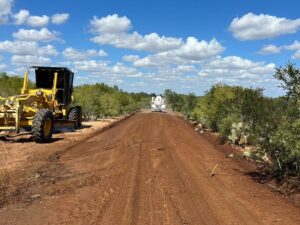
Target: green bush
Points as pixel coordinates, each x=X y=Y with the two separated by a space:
x=100 y=100
x=283 y=146
x=10 y=85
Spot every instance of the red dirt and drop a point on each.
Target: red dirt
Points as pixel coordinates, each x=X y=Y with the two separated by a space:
x=150 y=169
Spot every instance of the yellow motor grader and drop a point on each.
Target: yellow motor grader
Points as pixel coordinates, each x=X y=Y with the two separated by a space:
x=43 y=107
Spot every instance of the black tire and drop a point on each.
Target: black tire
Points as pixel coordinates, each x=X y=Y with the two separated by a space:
x=76 y=114
x=42 y=118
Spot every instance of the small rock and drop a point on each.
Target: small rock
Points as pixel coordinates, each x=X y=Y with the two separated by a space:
x=247 y=154
x=35 y=196
x=231 y=155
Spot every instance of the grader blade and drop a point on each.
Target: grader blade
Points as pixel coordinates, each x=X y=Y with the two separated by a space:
x=64 y=124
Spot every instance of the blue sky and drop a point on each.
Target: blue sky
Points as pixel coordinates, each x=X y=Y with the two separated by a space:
x=153 y=45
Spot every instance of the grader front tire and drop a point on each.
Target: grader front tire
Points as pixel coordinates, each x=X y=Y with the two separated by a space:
x=42 y=126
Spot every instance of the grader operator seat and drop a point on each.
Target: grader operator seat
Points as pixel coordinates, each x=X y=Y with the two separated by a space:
x=44 y=77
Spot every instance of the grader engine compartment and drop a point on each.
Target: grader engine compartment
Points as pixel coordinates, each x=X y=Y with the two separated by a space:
x=45 y=101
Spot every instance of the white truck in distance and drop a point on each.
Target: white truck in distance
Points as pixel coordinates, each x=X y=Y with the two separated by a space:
x=158 y=104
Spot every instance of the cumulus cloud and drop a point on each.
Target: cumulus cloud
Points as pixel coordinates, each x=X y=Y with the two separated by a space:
x=24 y=17
x=293 y=47
x=269 y=49
x=101 y=68
x=110 y=24
x=34 y=21
x=296 y=55
x=234 y=67
x=43 y=35
x=192 y=51
x=60 y=18
x=130 y=58
x=255 y=27
x=114 y=30
x=21 y=17
x=150 y=42
x=185 y=68
x=5 y=10
x=38 y=21
x=121 y=69
x=2 y=67
x=29 y=60
x=73 y=54
x=90 y=66
x=272 y=49
x=27 y=48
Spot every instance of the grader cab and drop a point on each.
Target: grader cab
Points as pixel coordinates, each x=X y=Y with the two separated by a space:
x=41 y=108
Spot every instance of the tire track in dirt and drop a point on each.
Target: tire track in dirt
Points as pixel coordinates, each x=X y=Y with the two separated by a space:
x=150 y=169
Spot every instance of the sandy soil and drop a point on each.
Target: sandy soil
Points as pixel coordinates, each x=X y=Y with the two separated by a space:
x=150 y=169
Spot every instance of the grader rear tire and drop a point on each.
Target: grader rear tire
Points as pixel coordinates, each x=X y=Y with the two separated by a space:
x=42 y=126
x=76 y=114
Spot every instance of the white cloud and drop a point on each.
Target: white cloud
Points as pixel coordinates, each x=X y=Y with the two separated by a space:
x=73 y=54
x=150 y=42
x=21 y=17
x=43 y=35
x=198 y=50
x=5 y=10
x=27 y=48
x=192 y=51
x=60 y=18
x=90 y=66
x=101 y=68
x=293 y=47
x=269 y=49
x=29 y=60
x=121 y=69
x=24 y=17
x=296 y=55
x=255 y=27
x=110 y=24
x=2 y=67
x=130 y=58
x=237 y=68
x=113 y=30
x=273 y=49
x=185 y=68
x=38 y=21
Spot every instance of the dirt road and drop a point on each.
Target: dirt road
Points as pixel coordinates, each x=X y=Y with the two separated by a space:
x=150 y=169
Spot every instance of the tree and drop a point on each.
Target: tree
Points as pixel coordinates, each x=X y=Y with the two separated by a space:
x=290 y=79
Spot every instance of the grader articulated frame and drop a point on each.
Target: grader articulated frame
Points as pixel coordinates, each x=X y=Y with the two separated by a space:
x=39 y=109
